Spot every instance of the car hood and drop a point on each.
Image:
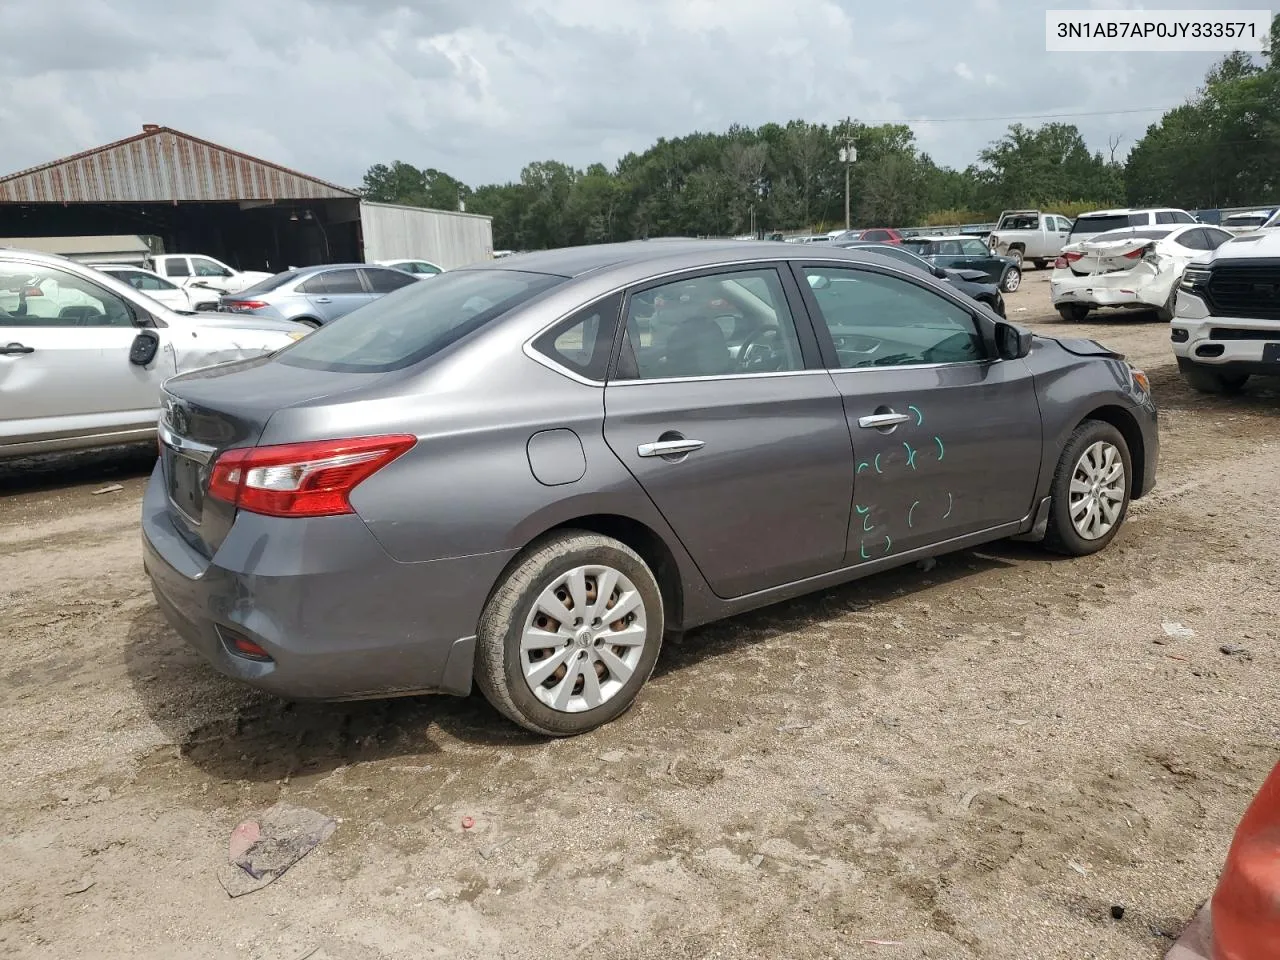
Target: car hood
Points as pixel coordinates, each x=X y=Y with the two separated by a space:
x=970 y=275
x=1083 y=348
x=1263 y=243
x=230 y=321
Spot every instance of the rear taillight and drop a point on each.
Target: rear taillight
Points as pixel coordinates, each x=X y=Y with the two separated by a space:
x=245 y=304
x=1072 y=257
x=301 y=479
x=1135 y=254
x=1060 y=263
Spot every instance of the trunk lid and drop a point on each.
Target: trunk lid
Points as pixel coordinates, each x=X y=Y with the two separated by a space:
x=214 y=409
x=1091 y=258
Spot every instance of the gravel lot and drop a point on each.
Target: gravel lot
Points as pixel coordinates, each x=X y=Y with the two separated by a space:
x=973 y=762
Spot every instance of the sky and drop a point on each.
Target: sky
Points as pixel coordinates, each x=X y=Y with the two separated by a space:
x=479 y=88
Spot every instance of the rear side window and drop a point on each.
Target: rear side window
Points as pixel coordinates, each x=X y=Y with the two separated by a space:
x=582 y=343
x=176 y=267
x=343 y=281
x=416 y=322
x=384 y=281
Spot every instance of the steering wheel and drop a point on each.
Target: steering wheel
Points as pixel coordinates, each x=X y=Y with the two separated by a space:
x=759 y=351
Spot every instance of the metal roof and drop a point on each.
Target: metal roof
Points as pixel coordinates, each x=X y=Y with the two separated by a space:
x=162 y=165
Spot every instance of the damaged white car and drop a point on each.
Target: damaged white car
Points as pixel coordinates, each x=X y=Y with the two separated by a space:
x=1133 y=269
x=82 y=355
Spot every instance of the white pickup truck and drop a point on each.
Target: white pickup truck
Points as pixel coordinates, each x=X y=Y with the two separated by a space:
x=1030 y=235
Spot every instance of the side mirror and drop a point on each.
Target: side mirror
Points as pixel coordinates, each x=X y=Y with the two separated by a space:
x=1012 y=343
x=144 y=348
x=940 y=273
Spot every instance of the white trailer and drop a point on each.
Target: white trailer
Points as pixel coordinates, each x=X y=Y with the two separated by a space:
x=394 y=232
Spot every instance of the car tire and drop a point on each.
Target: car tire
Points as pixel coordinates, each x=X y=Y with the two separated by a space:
x=1204 y=380
x=547 y=569
x=1015 y=253
x=308 y=321
x=1085 y=450
x=1165 y=313
x=1073 y=312
x=1012 y=279
x=1041 y=264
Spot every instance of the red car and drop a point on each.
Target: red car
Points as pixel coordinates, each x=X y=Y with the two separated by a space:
x=881 y=235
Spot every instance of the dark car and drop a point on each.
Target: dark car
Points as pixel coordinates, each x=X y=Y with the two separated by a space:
x=502 y=476
x=969 y=253
x=972 y=283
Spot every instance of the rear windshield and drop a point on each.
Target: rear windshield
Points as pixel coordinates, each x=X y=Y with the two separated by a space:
x=1131 y=234
x=271 y=283
x=1102 y=224
x=416 y=321
x=1020 y=221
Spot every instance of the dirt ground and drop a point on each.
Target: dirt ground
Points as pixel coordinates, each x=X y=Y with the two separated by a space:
x=973 y=762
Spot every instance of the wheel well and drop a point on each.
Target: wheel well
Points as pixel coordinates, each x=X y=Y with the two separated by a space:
x=652 y=549
x=1018 y=246
x=1123 y=421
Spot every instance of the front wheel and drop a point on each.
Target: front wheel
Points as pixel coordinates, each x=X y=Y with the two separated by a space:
x=1012 y=280
x=1210 y=381
x=1016 y=254
x=1090 y=490
x=570 y=635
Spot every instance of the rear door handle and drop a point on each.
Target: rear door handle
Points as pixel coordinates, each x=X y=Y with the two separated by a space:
x=669 y=448
x=16 y=348
x=323 y=300
x=878 y=421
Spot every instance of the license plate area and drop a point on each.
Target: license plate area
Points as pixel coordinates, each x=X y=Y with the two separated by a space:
x=1271 y=353
x=186 y=489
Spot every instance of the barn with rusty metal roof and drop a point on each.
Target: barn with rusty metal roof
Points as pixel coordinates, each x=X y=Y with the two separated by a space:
x=187 y=195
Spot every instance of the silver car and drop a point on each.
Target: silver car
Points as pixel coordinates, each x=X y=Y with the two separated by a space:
x=526 y=473
x=317 y=295
x=82 y=354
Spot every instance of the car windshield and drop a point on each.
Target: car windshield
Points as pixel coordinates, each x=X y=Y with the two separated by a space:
x=416 y=322
x=1112 y=221
x=1274 y=221
x=1130 y=235
x=271 y=283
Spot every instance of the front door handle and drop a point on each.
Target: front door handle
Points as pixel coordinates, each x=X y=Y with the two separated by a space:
x=16 y=348
x=878 y=421
x=669 y=448
x=323 y=300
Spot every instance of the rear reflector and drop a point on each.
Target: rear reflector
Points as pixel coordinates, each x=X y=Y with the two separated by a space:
x=242 y=646
x=302 y=479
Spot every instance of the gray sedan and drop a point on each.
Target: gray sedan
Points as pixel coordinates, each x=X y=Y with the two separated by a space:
x=317 y=295
x=525 y=474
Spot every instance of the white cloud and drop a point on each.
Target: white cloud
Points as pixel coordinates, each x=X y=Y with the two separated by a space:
x=482 y=87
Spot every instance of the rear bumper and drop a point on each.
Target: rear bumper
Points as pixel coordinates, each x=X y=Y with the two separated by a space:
x=1123 y=291
x=339 y=617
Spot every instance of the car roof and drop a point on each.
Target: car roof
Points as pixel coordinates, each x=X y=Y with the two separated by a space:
x=670 y=253
x=948 y=236
x=1120 y=210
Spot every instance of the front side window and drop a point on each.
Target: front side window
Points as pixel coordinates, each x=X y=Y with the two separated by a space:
x=384 y=281
x=39 y=296
x=414 y=323
x=882 y=321
x=710 y=326
x=974 y=248
x=204 y=267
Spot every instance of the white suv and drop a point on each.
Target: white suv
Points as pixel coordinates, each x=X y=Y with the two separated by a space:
x=1103 y=221
x=1226 y=324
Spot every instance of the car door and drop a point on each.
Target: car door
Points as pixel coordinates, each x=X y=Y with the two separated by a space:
x=976 y=255
x=948 y=254
x=64 y=358
x=335 y=293
x=1062 y=232
x=720 y=409
x=212 y=275
x=946 y=439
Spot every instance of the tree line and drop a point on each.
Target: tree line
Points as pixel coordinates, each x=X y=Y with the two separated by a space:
x=1219 y=149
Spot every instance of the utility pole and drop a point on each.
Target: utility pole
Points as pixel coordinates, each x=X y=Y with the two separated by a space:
x=848 y=155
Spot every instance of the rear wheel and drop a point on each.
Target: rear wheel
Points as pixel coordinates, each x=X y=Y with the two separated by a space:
x=1041 y=264
x=1210 y=381
x=1073 y=312
x=1012 y=279
x=308 y=321
x=1165 y=313
x=1090 y=490
x=570 y=635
